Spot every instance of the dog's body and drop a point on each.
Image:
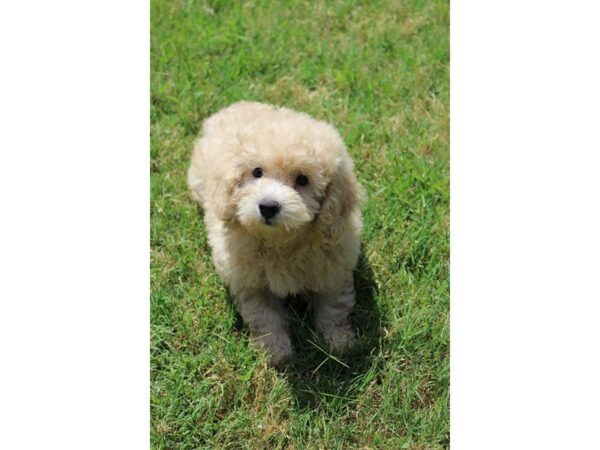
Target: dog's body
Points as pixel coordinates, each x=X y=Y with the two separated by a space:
x=282 y=209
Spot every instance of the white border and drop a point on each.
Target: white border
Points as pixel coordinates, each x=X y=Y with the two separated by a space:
x=525 y=226
x=74 y=232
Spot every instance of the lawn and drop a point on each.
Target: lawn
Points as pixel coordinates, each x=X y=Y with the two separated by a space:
x=378 y=71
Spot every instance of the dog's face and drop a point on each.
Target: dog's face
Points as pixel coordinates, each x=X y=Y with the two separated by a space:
x=281 y=177
x=279 y=195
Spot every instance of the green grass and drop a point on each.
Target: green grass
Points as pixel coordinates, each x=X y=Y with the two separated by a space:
x=377 y=70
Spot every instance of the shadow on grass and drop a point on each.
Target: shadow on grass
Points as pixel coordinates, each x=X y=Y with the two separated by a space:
x=318 y=378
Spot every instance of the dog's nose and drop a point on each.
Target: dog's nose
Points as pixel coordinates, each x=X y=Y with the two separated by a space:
x=269 y=208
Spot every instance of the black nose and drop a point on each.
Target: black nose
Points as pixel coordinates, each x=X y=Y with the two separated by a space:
x=269 y=208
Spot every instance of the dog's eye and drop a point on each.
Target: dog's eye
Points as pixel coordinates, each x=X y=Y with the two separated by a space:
x=301 y=180
x=257 y=173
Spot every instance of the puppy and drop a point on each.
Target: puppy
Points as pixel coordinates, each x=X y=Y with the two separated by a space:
x=282 y=209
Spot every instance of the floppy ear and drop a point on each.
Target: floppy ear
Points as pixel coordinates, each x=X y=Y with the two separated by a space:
x=343 y=197
x=220 y=190
x=212 y=183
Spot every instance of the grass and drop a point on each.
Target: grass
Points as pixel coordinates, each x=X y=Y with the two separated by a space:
x=378 y=70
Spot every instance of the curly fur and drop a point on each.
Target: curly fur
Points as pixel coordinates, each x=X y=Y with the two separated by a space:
x=310 y=247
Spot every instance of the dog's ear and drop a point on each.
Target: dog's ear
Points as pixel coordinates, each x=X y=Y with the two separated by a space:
x=213 y=186
x=221 y=190
x=343 y=197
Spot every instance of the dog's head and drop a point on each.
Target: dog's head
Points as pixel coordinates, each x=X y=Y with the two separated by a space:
x=284 y=173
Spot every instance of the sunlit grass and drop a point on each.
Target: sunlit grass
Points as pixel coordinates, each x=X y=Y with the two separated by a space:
x=378 y=71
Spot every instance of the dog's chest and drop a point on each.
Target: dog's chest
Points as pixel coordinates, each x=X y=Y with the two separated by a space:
x=292 y=271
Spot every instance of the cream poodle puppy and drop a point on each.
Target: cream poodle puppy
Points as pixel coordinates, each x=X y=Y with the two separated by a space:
x=282 y=209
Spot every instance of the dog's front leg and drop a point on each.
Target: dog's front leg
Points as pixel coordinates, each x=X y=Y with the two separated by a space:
x=332 y=315
x=266 y=317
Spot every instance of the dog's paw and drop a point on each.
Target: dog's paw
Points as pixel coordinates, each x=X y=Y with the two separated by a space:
x=279 y=360
x=340 y=338
x=279 y=346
